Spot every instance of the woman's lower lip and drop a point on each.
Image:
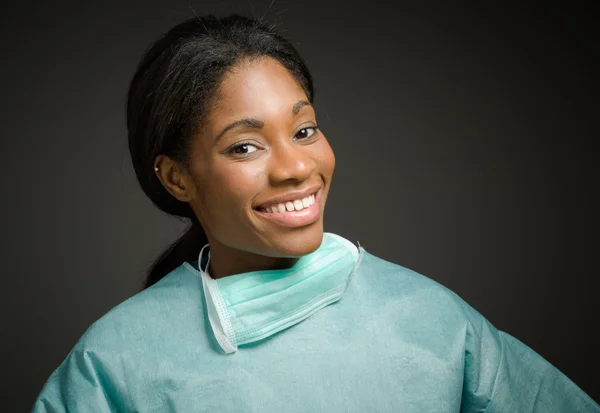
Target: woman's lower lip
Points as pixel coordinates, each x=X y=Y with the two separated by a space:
x=294 y=218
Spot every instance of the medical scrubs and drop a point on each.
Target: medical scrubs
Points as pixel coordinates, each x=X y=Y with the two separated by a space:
x=340 y=331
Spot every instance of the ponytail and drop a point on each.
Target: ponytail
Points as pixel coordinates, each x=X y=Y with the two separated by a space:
x=186 y=248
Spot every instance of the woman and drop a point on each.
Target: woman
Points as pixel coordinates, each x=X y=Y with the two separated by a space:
x=255 y=309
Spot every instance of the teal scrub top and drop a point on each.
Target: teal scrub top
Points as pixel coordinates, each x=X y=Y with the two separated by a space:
x=390 y=340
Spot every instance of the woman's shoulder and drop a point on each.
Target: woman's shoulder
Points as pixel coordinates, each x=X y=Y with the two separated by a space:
x=399 y=280
x=179 y=292
x=128 y=339
x=412 y=292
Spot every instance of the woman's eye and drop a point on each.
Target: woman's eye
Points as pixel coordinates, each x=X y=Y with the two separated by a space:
x=243 y=149
x=306 y=133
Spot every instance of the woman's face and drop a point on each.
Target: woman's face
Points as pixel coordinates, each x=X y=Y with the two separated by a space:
x=258 y=152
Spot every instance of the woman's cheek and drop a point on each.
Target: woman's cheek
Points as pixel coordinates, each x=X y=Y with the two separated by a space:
x=243 y=182
x=325 y=157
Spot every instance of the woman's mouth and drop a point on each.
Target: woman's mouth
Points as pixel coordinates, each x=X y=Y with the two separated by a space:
x=294 y=212
x=289 y=206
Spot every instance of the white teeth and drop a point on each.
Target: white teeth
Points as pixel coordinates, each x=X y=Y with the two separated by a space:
x=295 y=205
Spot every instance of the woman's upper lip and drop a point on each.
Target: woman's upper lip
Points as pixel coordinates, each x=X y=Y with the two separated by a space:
x=290 y=196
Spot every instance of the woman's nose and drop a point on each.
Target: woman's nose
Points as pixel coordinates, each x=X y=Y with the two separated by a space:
x=290 y=161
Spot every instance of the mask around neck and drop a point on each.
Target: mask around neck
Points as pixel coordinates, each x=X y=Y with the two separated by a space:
x=247 y=307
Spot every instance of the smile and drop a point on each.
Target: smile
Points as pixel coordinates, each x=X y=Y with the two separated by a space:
x=293 y=213
x=292 y=205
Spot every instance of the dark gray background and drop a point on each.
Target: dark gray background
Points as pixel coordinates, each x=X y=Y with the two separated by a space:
x=465 y=142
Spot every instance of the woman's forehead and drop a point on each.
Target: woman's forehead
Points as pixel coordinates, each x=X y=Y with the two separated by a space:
x=255 y=86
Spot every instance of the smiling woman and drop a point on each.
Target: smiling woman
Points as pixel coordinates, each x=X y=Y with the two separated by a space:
x=255 y=308
x=258 y=147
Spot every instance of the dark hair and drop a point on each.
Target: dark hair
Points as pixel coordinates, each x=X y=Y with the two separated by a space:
x=169 y=95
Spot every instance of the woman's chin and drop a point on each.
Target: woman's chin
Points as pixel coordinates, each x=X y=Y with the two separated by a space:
x=299 y=242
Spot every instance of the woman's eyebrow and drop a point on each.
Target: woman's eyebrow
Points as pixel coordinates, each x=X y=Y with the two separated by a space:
x=299 y=105
x=247 y=122
x=256 y=123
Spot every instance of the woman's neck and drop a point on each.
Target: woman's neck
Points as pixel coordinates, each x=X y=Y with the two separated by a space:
x=225 y=261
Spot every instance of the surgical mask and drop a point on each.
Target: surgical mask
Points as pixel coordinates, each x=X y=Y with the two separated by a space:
x=251 y=306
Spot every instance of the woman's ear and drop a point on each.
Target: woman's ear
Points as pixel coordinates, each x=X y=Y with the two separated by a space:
x=174 y=177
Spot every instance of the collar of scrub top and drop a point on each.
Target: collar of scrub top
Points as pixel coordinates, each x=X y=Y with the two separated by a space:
x=232 y=326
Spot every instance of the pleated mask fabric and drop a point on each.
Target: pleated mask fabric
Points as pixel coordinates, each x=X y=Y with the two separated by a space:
x=248 y=307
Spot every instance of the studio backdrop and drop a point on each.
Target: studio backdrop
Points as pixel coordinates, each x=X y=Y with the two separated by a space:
x=466 y=147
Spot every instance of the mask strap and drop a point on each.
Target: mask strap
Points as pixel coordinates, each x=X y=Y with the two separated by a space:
x=216 y=308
